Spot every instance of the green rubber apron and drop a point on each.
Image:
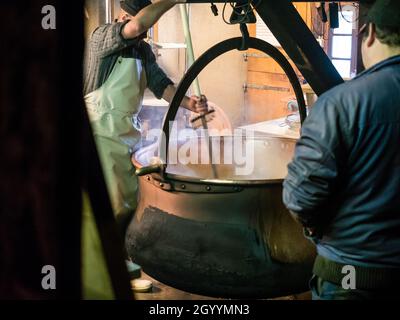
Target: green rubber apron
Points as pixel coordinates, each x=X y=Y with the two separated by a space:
x=113 y=110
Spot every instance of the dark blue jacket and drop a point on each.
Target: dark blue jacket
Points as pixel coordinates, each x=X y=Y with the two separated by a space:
x=345 y=176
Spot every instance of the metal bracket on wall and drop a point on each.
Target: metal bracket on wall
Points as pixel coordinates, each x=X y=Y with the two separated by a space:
x=247 y=55
x=247 y=86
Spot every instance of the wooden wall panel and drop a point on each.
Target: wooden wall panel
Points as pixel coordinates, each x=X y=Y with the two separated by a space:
x=262 y=105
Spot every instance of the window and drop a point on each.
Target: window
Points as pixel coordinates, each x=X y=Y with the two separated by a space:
x=343 y=42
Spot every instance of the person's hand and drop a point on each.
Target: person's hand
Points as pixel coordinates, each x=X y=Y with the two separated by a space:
x=198 y=105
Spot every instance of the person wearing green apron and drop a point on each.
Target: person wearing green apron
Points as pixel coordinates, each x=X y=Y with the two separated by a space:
x=119 y=67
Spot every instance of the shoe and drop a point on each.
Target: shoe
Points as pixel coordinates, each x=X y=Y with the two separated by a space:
x=134 y=269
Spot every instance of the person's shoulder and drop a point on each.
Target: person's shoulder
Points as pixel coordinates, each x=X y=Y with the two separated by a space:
x=106 y=30
x=371 y=80
x=332 y=94
x=351 y=89
x=360 y=93
x=101 y=29
x=98 y=35
x=339 y=100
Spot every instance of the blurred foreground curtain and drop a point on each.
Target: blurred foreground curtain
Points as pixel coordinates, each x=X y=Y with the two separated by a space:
x=47 y=158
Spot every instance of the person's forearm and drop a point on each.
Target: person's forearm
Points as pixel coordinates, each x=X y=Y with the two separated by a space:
x=169 y=93
x=148 y=16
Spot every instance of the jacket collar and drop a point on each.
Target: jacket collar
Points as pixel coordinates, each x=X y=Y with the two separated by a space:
x=380 y=65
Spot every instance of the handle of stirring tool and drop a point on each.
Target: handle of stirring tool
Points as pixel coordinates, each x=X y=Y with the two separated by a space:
x=196 y=85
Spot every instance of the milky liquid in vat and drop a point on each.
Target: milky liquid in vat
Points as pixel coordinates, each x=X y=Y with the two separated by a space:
x=256 y=158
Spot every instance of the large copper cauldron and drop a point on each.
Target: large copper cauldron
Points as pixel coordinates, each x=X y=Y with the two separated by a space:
x=227 y=237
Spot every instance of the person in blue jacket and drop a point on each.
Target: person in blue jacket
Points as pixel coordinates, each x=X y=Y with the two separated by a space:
x=343 y=184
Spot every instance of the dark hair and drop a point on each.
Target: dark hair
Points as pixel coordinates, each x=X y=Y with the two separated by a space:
x=387 y=35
